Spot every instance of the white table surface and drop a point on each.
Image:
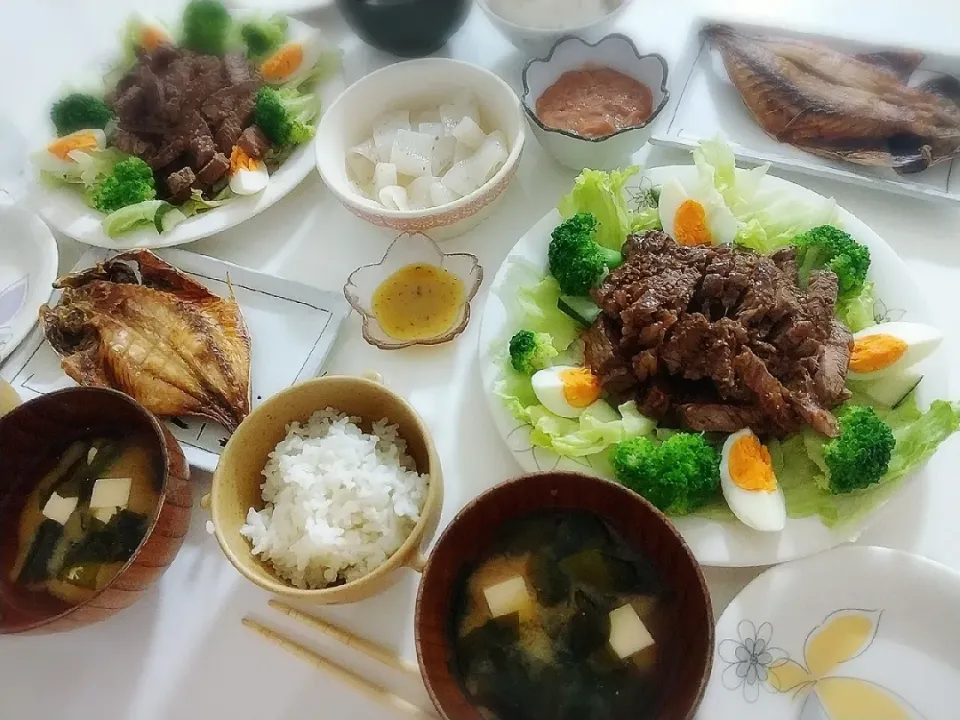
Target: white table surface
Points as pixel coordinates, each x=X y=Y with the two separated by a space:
x=181 y=651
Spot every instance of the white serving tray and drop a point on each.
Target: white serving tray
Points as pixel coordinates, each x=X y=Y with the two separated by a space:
x=707 y=104
x=292 y=328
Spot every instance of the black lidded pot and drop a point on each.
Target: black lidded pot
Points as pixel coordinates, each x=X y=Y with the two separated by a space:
x=409 y=28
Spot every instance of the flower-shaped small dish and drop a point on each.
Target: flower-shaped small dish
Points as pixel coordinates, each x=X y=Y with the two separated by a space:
x=617 y=52
x=409 y=250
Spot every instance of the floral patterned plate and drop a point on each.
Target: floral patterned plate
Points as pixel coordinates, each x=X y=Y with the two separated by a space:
x=28 y=267
x=855 y=633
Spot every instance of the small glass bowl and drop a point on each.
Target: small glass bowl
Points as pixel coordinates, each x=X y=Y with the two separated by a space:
x=409 y=249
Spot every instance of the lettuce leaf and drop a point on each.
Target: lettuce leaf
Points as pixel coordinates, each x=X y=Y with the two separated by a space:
x=770 y=218
x=602 y=194
x=535 y=307
x=798 y=462
x=857 y=312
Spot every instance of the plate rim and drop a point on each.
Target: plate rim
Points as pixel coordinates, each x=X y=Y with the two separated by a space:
x=696 y=529
x=62 y=209
x=49 y=251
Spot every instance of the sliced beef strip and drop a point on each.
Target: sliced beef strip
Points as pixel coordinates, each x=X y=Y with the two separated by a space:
x=179 y=184
x=173 y=148
x=253 y=142
x=600 y=351
x=821 y=297
x=131 y=144
x=218 y=166
x=718 y=417
x=236 y=99
x=820 y=419
x=238 y=69
x=770 y=396
x=202 y=149
x=786 y=261
x=832 y=365
x=129 y=104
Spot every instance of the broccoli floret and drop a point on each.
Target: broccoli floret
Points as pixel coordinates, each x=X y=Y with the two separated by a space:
x=677 y=476
x=576 y=260
x=131 y=182
x=79 y=111
x=530 y=351
x=206 y=25
x=283 y=115
x=263 y=35
x=861 y=455
x=830 y=247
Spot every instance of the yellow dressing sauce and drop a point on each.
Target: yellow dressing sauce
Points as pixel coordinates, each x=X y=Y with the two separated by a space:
x=418 y=301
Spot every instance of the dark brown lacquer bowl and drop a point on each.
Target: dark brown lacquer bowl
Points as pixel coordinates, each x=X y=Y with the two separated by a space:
x=687 y=659
x=31 y=435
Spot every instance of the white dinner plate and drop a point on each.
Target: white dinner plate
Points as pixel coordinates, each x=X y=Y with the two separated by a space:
x=280 y=6
x=28 y=267
x=292 y=329
x=856 y=633
x=65 y=210
x=713 y=542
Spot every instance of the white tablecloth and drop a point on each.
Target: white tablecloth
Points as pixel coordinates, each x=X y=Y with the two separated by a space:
x=181 y=651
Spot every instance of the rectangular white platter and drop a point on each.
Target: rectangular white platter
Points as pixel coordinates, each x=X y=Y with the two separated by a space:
x=706 y=104
x=292 y=328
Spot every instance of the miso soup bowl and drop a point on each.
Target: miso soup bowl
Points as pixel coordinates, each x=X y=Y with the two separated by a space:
x=688 y=658
x=237 y=480
x=41 y=429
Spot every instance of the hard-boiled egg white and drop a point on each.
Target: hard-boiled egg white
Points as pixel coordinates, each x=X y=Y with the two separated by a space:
x=64 y=154
x=292 y=61
x=749 y=483
x=566 y=391
x=695 y=215
x=247 y=176
x=891 y=347
x=148 y=32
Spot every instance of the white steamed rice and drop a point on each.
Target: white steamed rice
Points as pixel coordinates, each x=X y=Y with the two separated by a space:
x=340 y=501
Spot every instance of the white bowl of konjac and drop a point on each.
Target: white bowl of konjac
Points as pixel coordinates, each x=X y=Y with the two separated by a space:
x=614 y=52
x=416 y=83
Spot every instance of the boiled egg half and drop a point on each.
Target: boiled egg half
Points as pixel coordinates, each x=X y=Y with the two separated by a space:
x=565 y=390
x=247 y=175
x=696 y=215
x=68 y=152
x=148 y=32
x=891 y=347
x=749 y=484
x=292 y=61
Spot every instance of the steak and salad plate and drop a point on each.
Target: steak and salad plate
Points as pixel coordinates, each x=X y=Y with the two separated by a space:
x=194 y=128
x=741 y=351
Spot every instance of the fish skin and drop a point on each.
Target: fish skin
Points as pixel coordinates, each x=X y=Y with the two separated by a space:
x=136 y=324
x=786 y=88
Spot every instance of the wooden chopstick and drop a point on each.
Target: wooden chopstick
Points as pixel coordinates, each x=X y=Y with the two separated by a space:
x=380 y=694
x=370 y=649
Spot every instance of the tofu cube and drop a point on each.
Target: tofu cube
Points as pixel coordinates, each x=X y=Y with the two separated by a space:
x=628 y=634
x=104 y=514
x=508 y=597
x=111 y=493
x=59 y=508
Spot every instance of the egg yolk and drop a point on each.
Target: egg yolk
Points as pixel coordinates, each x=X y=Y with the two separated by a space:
x=690 y=224
x=750 y=466
x=876 y=352
x=77 y=141
x=283 y=62
x=239 y=160
x=151 y=37
x=580 y=387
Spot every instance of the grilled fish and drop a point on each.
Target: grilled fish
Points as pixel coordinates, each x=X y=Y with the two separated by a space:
x=853 y=108
x=137 y=324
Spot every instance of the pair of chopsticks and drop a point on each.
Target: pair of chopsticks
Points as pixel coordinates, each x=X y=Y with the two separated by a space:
x=371 y=650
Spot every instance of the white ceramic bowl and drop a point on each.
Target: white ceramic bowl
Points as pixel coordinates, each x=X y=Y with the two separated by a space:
x=537 y=41
x=349 y=121
x=614 y=51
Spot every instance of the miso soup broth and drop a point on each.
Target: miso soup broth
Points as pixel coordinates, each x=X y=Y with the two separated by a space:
x=87 y=515
x=561 y=619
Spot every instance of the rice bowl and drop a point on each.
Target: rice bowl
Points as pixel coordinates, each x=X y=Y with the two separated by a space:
x=339 y=501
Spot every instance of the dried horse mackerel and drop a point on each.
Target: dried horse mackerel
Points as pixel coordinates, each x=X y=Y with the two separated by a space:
x=857 y=108
x=139 y=325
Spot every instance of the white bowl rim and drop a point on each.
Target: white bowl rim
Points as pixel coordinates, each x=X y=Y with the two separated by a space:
x=485 y=6
x=358 y=200
x=612 y=36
